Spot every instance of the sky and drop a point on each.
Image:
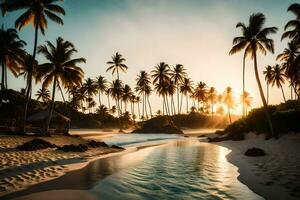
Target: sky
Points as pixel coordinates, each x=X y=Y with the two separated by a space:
x=195 y=33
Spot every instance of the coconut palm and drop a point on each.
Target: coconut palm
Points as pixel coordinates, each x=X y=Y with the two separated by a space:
x=177 y=75
x=60 y=69
x=36 y=13
x=212 y=97
x=126 y=95
x=117 y=64
x=278 y=78
x=171 y=89
x=200 y=93
x=247 y=99
x=267 y=72
x=292 y=28
x=101 y=84
x=228 y=100
x=43 y=94
x=102 y=110
x=116 y=89
x=255 y=38
x=161 y=89
x=148 y=91
x=142 y=82
x=90 y=88
x=186 y=89
x=138 y=101
x=11 y=53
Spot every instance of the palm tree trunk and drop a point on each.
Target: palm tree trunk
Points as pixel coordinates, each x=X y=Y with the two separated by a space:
x=268 y=93
x=261 y=91
x=291 y=93
x=149 y=106
x=139 y=110
x=144 y=105
x=229 y=115
x=173 y=104
x=181 y=103
x=51 y=106
x=177 y=90
x=167 y=105
x=283 y=94
x=30 y=77
x=3 y=71
x=187 y=104
x=100 y=99
x=244 y=66
x=5 y=78
x=108 y=101
x=163 y=105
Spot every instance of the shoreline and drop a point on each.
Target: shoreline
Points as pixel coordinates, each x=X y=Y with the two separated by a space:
x=274 y=176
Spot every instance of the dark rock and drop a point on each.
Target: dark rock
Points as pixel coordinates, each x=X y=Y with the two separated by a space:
x=95 y=144
x=117 y=147
x=218 y=139
x=255 y=152
x=73 y=148
x=35 y=144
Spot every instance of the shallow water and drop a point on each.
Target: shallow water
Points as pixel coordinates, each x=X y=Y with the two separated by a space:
x=184 y=168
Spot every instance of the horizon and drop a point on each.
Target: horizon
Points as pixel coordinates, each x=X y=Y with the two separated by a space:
x=168 y=31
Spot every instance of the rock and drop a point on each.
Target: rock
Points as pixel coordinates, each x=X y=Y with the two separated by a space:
x=218 y=139
x=117 y=147
x=35 y=144
x=95 y=144
x=255 y=152
x=73 y=148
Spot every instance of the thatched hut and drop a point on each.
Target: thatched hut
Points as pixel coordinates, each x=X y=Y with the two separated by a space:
x=59 y=123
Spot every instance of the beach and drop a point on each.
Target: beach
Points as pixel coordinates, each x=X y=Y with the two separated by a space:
x=20 y=169
x=274 y=176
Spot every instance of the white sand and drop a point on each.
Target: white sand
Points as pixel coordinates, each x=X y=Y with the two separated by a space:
x=274 y=176
x=20 y=169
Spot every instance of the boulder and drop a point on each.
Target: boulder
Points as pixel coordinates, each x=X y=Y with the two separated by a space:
x=73 y=148
x=35 y=144
x=255 y=152
x=96 y=144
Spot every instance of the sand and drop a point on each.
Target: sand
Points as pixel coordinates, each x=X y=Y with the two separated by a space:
x=20 y=169
x=274 y=176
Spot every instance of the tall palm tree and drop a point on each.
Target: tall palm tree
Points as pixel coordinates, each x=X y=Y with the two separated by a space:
x=171 y=89
x=101 y=84
x=212 y=97
x=148 y=91
x=200 y=93
x=292 y=28
x=116 y=89
x=267 y=72
x=255 y=38
x=247 y=99
x=11 y=53
x=142 y=82
x=138 y=101
x=60 y=69
x=186 y=89
x=102 y=110
x=117 y=64
x=278 y=78
x=177 y=75
x=43 y=94
x=90 y=88
x=126 y=95
x=161 y=79
x=228 y=99
x=36 y=13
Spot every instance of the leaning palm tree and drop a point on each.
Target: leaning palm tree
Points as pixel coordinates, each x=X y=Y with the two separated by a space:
x=36 y=13
x=255 y=38
x=228 y=100
x=60 y=69
x=101 y=84
x=177 y=75
x=11 y=53
x=278 y=78
x=43 y=94
x=267 y=72
x=212 y=97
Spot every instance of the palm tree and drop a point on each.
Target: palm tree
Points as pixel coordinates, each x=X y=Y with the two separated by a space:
x=161 y=79
x=90 y=88
x=267 y=72
x=126 y=95
x=138 y=100
x=148 y=91
x=117 y=64
x=60 y=69
x=200 y=93
x=277 y=78
x=43 y=94
x=229 y=101
x=212 y=97
x=247 y=99
x=36 y=13
x=171 y=89
x=177 y=75
x=142 y=82
x=102 y=110
x=186 y=89
x=255 y=37
x=294 y=33
x=116 y=89
x=11 y=53
x=101 y=84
